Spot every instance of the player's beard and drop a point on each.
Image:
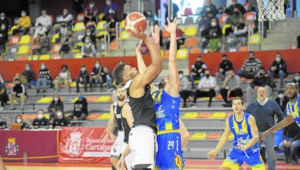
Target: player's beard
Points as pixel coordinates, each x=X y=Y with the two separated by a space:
x=121 y=99
x=294 y=96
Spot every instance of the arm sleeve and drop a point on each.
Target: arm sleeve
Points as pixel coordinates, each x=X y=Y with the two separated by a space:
x=85 y=107
x=273 y=63
x=62 y=106
x=252 y=84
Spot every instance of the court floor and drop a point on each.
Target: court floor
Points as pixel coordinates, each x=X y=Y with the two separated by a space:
x=191 y=164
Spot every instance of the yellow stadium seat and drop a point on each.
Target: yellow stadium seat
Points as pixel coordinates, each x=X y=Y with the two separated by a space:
x=78 y=56
x=255 y=39
x=79 y=26
x=15 y=101
x=162 y=53
x=68 y=114
x=125 y=35
x=73 y=84
x=100 y=25
x=182 y=53
x=218 y=115
x=105 y=116
x=32 y=58
x=45 y=57
x=45 y=100
x=101 y=16
x=231 y=136
x=104 y=99
x=54 y=37
x=224 y=28
x=24 y=49
x=47 y=115
x=12 y=28
x=190 y=115
x=25 y=39
x=122 y=24
x=191 y=31
x=197 y=81
x=199 y=136
x=102 y=33
x=74 y=100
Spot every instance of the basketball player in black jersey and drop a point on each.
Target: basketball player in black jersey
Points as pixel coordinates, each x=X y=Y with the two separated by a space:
x=115 y=115
x=141 y=116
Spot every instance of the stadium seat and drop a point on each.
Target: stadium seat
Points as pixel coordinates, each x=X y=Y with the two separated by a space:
x=21 y=58
x=195 y=51
x=244 y=48
x=190 y=115
x=80 y=17
x=78 y=56
x=213 y=136
x=101 y=16
x=9 y=85
x=14 y=39
x=191 y=31
x=55 y=48
x=93 y=116
x=204 y=115
x=225 y=27
x=56 y=57
x=293 y=47
x=181 y=28
x=79 y=26
x=249 y=17
x=75 y=99
x=54 y=37
x=162 y=53
x=34 y=47
x=32 y=117
x=182 y=54
x=166 y=34
x=114 y=45
x=24 y=49
x=223 y=19
x=26 y=117
x=12 y=28
x=102 y=33
x=255 y=39
x=92 y=98
x=33 y=58
x=100 y=25
x=188 y=11
x=25 y=39
x=199 y=136
x=45 y=100
x=45 y=57
x=104 y=116
x=104 y=99
x=218 y=115
x=125 y=35
x=190 y=42
x=189 y=21
x=122 y=24
x=47 y=115
x=166 y=54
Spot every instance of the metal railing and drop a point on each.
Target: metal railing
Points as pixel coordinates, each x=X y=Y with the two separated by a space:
x=287 y=37
x=296 y=26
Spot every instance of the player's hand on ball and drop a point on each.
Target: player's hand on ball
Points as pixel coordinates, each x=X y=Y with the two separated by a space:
x=171 y=28
x=138 y=34
x=155 y=34
x=121 y=163
x=212 y=154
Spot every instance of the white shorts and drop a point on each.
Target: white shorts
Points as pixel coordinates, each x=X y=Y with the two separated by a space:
x=117 y=147
x=142 y=143
x=128 y=158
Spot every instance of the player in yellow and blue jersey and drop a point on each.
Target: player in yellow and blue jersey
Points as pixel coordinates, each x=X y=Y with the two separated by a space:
x=245 y=145
x=293 y=109
x=172 y=135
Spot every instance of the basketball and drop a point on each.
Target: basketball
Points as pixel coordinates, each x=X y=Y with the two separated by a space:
x=135 y=22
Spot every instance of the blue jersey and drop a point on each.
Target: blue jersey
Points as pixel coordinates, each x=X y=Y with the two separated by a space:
x=242 y=133
x=293 y=109
x=167 y=110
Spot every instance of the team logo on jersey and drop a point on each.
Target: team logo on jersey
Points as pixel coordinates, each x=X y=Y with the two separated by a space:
x=11 y=148
x=160 y=112
x=75 y=145
x=178 y=161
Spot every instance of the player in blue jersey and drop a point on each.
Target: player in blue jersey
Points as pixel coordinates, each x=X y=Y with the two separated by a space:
x=245 y=145
x=293 y=110
x=172 y=136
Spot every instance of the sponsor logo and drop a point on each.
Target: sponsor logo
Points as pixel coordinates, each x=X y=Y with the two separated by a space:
x=75 y=145
x=11 y=148
x=178 y=161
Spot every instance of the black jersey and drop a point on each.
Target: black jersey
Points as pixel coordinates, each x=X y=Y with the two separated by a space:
x=142 y=109
x=126 y=129
x=118 y=115
x=61 y=122
x=40 y=122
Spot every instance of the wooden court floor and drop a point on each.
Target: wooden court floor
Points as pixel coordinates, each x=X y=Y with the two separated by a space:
x=191 y=164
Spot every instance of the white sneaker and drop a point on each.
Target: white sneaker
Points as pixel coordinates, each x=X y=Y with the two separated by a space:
x=1 y=108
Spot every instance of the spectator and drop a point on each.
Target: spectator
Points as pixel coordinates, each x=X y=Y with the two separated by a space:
x=3 y=37
x=66 y=18
x=82 y=78
x=209 y=7
x=175 y=11
x=27 y=77
x=253 y=7
x=184 y=87
x=90 y=12
x=111 y=19
x=278 y=69
x=205 y=23
x=234 y=21
x=3 y=95
x=40 y=30
x=224 y=67
x=97 y=75
x=215 y=43
x=260 y=80
x=19 y=120
x=282 y=100
x=198 y=70
x=44 y=78
x=44 y=43
x=18 y=93
x=23 y=24
x=67 y=44
x=109 y=79
x=180 y=36
x=264 y=110
x=45 y=20
x=80 y=108
x=250 y=67
x=55 y=105
x=207 y=33
x=60 y=120
x=91 y=25
x=109 y=5
x=40 y=121
x=77 y=7
x=89 y=33
x=291 y=141
x=296 y=79
x=128 y=7
x=3 y=124
x=4 y=20
x=231 y=9
x=64 y=77
x=205 y=89
x=231 y=88
x=88 y=49
x=63 y=31
x=241 y=33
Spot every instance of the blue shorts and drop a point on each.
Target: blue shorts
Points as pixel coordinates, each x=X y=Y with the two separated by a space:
x=237 y=157
x=169 y=154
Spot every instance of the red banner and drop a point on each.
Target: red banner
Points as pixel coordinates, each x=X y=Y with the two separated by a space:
x=84 y=145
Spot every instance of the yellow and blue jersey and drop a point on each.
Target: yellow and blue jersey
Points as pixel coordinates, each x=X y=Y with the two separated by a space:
x=169 y=154
x=293 y=109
